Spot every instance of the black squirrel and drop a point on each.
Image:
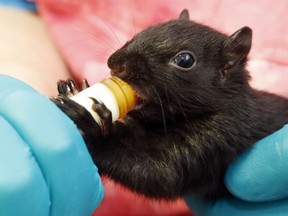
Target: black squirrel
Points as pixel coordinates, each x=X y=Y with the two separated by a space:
x=196 y=112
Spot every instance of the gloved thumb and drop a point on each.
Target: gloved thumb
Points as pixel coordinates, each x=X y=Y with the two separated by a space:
x=261 y=173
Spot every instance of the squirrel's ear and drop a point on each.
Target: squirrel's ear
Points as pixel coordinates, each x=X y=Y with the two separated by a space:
x=184 y=15
x=237 y=46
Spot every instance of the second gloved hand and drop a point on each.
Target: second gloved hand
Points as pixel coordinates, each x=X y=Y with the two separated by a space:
x=258 y=179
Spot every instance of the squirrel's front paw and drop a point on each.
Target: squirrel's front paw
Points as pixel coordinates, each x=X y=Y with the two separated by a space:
x=69 y=87
x=80 y=116
x=105 y=116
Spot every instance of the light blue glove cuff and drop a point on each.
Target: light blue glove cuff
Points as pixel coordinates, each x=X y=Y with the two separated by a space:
x=45 y=168
x=261 y=173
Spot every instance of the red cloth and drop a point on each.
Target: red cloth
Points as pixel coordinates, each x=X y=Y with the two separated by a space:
x=88 y=31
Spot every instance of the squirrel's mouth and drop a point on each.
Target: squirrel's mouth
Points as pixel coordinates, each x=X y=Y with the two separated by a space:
x=141 y=98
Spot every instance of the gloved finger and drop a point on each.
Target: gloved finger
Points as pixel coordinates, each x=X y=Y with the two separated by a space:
x=236 y=207
x=261 y=173
x=21 y=181
x=9 y=84
x=59 y=149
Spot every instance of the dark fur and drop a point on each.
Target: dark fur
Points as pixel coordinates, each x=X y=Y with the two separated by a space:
x=194 y=123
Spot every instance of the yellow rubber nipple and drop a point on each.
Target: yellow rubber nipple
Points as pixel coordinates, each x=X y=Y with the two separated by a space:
x=123 y=93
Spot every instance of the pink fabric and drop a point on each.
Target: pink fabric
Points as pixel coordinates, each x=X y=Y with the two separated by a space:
x=88 y=31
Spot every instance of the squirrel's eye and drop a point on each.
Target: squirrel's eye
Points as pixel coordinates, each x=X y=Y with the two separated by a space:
x=184 y=60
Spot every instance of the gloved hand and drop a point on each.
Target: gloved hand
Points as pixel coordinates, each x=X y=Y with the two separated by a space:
x=259 y=180
x=45 y=168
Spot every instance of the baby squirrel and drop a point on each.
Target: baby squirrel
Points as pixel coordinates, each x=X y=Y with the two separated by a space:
x=197 y=111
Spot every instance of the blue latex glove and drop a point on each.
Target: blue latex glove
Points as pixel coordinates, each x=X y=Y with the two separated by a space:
x=45 y=168
x=259 y=178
